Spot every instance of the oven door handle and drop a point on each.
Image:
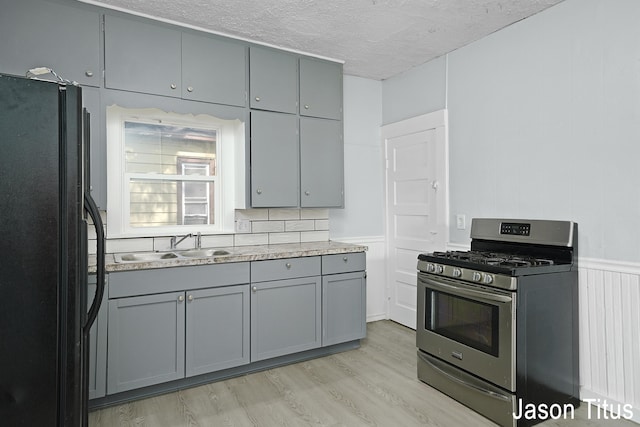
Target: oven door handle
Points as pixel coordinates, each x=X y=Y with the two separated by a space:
x=463 y=382
x=488 y=296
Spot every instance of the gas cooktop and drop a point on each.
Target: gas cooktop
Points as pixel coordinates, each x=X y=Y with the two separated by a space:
x=497 y=262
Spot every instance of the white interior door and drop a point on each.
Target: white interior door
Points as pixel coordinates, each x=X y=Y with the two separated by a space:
x=416 y=204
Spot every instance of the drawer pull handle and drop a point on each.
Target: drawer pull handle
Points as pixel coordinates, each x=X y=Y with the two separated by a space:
x=345 y=259
x=288 y=265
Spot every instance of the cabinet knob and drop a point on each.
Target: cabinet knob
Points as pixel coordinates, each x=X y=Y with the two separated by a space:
x=254 y=289
x=306 y=193
x=181 y=298
x=257 y=99
x=306 y=107
x=288 y=265
x=190 y=298
x=190 y=89
x=259 y=191
x=345 y=259
x=173 y=85
x=88 y=73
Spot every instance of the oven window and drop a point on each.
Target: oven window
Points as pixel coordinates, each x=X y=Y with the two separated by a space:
x=464 y=320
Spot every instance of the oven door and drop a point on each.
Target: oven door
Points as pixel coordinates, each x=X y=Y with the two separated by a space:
x=469 y=326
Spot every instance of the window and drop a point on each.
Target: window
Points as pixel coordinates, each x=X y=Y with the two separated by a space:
x=166 y=174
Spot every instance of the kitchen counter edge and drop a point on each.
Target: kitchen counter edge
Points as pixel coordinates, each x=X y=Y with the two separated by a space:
x=236 y=254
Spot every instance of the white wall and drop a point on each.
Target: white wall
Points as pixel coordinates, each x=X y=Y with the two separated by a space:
x=417 y=91
x=544 y=122
x=362 y=219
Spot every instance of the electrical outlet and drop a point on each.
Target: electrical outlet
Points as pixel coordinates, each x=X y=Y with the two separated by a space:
x=461 y=222
x=243 y=226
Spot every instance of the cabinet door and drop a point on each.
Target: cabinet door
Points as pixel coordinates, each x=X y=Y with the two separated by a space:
x=321 y=163
x=37 y=33
x=273 y=79
x=146 y=341
x=97 y=147
x=285 y=317
x=320 y=88
x=142 y=57
x=213 y=70
x=217 y=329
x=97 y=346
x=274 y=160
x=343 y=308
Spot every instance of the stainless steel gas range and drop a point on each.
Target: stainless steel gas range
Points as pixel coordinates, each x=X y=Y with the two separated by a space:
x=497 y=326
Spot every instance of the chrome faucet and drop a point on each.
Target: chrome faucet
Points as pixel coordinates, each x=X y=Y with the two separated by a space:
x=175 y=242
x=199 y=240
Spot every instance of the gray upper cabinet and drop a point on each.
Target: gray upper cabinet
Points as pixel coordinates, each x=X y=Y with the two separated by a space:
x=320 y=88
x=273 y=80
x=321 y=163
x=217 y=329
x=153 y=58
x=142 y=57
x=274 y=160
x=213 y=70
x=38 y=33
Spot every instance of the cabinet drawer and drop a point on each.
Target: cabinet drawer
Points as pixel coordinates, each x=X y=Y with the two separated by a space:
x=286 y=268
x=143 y=282
x=344 y=263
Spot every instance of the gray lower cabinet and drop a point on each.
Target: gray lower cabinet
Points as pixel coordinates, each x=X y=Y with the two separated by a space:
x=343 y=308
x=146 y=341
x=274 y=160
x=159 y=338
x=217 y=329
x=38 y=33
x=343 y=298
x=286 y=307
x=165 y=324
x=321 y=163
x=97 y=346
x=320 y=88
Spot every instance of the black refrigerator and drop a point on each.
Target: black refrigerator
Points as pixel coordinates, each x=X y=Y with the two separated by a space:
x=44 y=210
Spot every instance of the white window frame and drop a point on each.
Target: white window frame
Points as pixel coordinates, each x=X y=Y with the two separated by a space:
x=228 y=181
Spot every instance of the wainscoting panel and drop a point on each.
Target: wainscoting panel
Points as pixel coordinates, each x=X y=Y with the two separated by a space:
x=609 y=295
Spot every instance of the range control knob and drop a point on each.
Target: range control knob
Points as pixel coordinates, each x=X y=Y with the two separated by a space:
x=488 y=278
x=476 y=277
x=457 y=272
x=431 y=268
x=439 y=269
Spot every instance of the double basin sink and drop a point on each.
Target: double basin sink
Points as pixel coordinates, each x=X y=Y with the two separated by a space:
x=170 y=255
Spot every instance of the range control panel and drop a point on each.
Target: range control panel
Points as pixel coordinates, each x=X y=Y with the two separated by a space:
x=517 y=229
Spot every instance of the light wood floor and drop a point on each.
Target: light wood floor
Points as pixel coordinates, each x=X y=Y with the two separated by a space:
x=375 y=385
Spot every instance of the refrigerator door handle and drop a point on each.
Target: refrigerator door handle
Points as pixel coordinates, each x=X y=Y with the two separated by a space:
x=94 y=213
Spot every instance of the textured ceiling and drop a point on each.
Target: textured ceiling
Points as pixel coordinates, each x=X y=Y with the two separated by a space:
x=376 y=39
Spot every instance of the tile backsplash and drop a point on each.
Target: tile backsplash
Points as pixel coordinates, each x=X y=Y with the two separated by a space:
x=253 y=227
